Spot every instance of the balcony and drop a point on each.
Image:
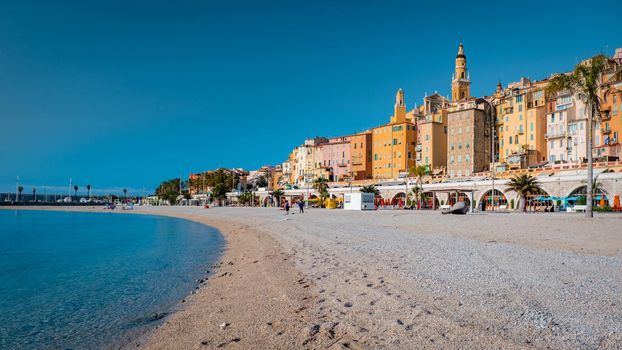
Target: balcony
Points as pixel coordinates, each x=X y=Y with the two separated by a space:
x=418 y=148
x=606 y=130
x=357 y=160
x=555 y=134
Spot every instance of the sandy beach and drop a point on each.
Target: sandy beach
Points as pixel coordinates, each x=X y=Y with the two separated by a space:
x=401 y=279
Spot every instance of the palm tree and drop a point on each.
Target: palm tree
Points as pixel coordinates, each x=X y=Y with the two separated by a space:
x=419 y=171
x=321 y=186
x=584 y=83
x=88 y=190
x=370 y=189
x=277 y=194
x=20 y=189
x=125 y=193
x=75 y=189
x=523 y=185
x=34 y=194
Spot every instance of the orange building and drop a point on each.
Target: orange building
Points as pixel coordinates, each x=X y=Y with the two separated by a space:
x=361 y=155
x=393 y=144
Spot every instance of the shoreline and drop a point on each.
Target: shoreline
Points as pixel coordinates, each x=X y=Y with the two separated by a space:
x=247 y=258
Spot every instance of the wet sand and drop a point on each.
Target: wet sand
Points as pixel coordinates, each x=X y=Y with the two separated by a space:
x=402 y=279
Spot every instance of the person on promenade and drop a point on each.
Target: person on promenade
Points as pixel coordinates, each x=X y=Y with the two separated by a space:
x=301 y=206
x=286 y=207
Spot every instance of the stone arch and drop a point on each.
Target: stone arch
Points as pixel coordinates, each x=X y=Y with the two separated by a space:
x=426 y=200
x=459 y=197
x=398 y=199
x=487 y=199
x=582 y=190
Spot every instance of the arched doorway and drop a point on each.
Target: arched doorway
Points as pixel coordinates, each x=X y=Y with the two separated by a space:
x=379 y=201
x=399 y=199
x=455 y=197
x=492 y=201
x=580 y=193
x=426 y=201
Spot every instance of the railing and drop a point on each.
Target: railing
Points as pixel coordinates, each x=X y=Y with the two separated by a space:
x=555 y=134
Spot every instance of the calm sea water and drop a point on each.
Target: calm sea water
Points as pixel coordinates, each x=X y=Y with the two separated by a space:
x=94 y=280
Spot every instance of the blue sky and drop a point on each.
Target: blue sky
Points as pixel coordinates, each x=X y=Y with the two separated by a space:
x=123 y=94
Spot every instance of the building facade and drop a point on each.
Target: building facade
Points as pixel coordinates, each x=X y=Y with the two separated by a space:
x=393 y=144
x=469 y=139
x=361 y=155
x=334 y=156
x=521 y=124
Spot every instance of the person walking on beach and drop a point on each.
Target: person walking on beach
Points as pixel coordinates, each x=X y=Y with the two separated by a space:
x=301 y=206
x=286 y=207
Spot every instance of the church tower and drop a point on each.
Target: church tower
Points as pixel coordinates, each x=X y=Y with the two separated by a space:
x=460 y=83
x=399 y=110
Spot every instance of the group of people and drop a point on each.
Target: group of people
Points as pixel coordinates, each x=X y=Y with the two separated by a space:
x=301 y=207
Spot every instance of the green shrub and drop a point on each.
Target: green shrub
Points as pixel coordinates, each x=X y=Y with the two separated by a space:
x=605 y=209
x=512 y=203
x=442 y=202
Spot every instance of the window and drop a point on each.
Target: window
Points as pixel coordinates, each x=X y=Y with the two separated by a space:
x=375 y=157
x=459 y=130
x=459 y=145
x=460 y=158
x=409 y=155
x=519 y=98
x=516 y=139
x=466 y=172
x=531 y=127
x=466 y=158
x=427 y=137
x=520 y=109
x=553 y=118
x=531 y=137
x=561 y=144
x=426 y=160
x=467 y=145
x=451 y=146
x=520 y=116
x=510 y=140
x=520 y=128
x=468 y=129
x=451 y=159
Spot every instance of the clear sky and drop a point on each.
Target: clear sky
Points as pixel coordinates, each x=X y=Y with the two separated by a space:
x=123 y=94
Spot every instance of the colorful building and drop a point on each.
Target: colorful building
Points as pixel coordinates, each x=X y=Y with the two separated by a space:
x=431 y=146
x=393 y=144
x=521 y=124
x=334 y=157
x=609 y=146
x=566 y=129
x=361 y=155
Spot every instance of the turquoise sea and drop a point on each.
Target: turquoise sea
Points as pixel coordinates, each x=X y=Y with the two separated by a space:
x=72 y=280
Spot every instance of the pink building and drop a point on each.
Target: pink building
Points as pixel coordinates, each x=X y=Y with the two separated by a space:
x=335 y=158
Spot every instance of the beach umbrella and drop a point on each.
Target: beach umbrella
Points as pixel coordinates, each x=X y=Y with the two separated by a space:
x=602 y=201
x=616 y=202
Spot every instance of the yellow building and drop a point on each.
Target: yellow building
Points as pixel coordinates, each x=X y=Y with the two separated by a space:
x=431 y=146
x=521 y=124
x=393 y=144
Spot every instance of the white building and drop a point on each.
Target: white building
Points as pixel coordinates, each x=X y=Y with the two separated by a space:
x=566 y=129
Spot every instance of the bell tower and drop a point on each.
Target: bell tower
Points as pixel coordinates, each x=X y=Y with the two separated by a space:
x=399 y=110
x=460 y=82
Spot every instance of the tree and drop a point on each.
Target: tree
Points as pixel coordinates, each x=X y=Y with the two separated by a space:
x=419 y=171
x=584 y=82
x=277 y=194
x=88 y=191
x=321 y=186
x=523 y=185
x=245 y=197
x=125 y=193
x=20 y=189
x=261 y=182
x=168 y=190
x=75 y=189
x=34 y=194
x=219 y=191
x=370 y=189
